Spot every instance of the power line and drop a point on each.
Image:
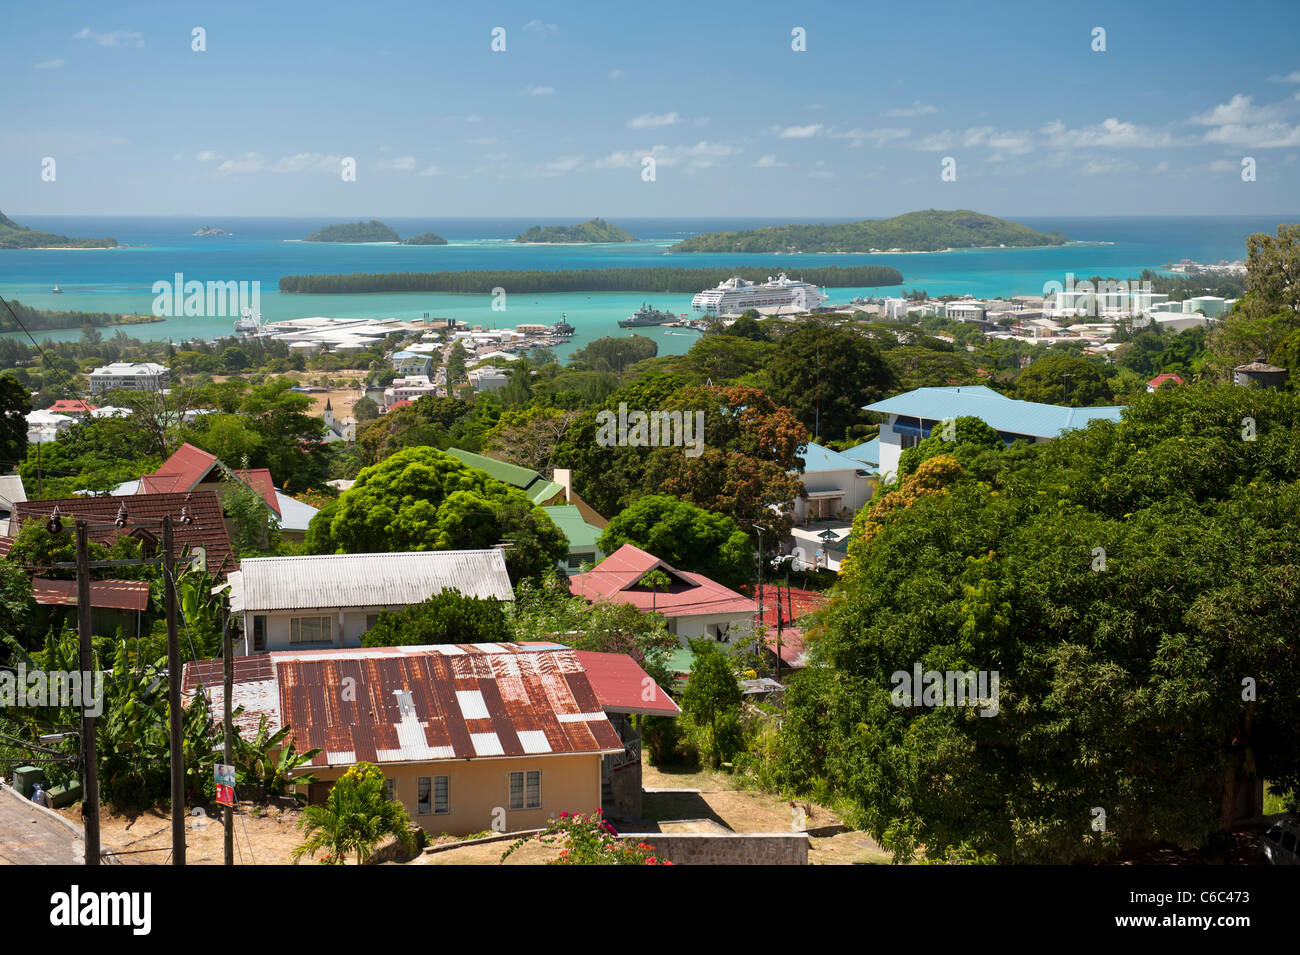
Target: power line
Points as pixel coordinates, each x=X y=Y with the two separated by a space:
x=44 y=355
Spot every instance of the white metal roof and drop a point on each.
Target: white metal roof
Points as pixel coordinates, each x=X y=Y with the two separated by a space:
x=365 y=580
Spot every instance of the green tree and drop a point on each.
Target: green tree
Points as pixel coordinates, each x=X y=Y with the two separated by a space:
x=712 y=695
x=422 y=499
x=366 y=409
x=447 y=617
x=685 y=536
x=615 y=354
x=15 y=404
x=825 y=374
x=1063 y=380
x=356 y=817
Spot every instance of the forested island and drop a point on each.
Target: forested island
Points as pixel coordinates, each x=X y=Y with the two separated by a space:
x=425 y=238
x=372 y=231
x=593 y=230
x=15 y=236
x=927 y=231
x=35 y=319
x=210 y=230
x=580 y=280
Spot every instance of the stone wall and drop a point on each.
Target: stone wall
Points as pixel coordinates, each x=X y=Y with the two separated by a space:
x=709 y=848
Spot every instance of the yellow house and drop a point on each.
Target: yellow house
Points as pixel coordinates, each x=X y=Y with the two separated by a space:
x=470 y=737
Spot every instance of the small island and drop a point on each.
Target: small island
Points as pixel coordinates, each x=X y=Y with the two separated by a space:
x=372 y=231
x=931 y=230
x=425 y=238
x=210 y=230
x=15 y=236
x=593 y=230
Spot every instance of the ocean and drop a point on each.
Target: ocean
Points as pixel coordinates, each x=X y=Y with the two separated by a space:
x=264 y=249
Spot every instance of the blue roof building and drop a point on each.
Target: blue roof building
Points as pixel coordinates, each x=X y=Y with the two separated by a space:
x=912 y=416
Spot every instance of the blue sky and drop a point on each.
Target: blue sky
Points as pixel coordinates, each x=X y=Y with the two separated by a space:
x=738 y=123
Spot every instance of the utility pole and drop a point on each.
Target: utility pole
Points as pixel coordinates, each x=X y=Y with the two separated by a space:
x=174 y=698
x=90 y=800
x=761 y=632
x=228 y=683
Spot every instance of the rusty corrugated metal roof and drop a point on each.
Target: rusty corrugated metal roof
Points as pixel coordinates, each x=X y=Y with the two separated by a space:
x=366 y=580
x=420 y=704
x=105 y=594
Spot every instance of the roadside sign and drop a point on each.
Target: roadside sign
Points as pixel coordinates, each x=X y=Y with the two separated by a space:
x=225 y=779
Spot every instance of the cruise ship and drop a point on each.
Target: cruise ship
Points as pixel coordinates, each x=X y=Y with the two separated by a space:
x=736 y=295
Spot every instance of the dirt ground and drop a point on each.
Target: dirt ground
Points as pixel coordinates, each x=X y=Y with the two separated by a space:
x=340 y=399
x=145 y=838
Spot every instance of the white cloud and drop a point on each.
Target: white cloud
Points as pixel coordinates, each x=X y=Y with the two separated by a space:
x=700 y=156
x=298 y=162
x=1105 y=166
x=428 y=171
x=769 y=162
x=1238 y=110
x=653 y=120
x=801 y=132
x=1288 y=78
x=483 y=141
x=1109 y=134
x=540 y=28
x=1223 y=165
x=916 y=109
x=1257 y=136
x=1162 y=166
x=560 y=166
x=112 y=38
x=207 y=155
x=541 y=90
x=50 y=65
x=877 y=137
x=616 y=74
x=398 y=163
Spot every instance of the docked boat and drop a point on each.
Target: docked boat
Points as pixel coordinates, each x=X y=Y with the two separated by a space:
x=646 y=315
x=248 y=323
x=562 y=330
x=737 y=294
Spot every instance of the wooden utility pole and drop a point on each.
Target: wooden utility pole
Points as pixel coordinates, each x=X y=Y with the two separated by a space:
x=177 y=745
x=228 y=683
x=90 y=783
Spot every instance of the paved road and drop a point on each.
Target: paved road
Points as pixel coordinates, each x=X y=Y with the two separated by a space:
x=31 y=836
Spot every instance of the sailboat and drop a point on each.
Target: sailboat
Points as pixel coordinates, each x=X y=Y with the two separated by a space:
x=56 y=290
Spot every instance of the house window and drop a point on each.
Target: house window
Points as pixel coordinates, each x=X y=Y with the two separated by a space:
x=906 y=441
x=259 y=633
x=575 y=561
x=390 y=789
x=372 y=619
x=526 y=790
x=720 y=632
x=441 y=795
x=310 y=629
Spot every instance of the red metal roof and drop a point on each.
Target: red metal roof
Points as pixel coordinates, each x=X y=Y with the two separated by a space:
x=615 y=578
x=71 y=406
x=623 y=687
x=1159 y=380
x=182 y=471
x=6 y=545
x=105 y=594
x=207 y=527
x=793 y=651
x=259 y=479
x=423 y=704
x=795 y=603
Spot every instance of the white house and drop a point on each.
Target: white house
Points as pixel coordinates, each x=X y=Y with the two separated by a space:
x=912 y=417
x=128 y=375
x=331 y=600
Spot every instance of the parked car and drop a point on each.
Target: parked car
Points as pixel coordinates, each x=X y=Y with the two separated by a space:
x=1280 y=843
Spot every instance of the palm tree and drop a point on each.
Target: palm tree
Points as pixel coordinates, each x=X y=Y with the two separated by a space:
x=356 y=817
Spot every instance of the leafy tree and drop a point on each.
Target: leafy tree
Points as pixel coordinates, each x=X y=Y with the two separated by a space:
x=712 y=695
x=615 y=354
x=685 y=536
x=970 y=436
x=447 y=617
x=422 y=499
x=825 y=374
x=365 y=409
x=747 y=327
x=917 y=366
x=15 y=404
x=528 y=437
x=1287 y=355
x=1063 y=380
x=356 y=818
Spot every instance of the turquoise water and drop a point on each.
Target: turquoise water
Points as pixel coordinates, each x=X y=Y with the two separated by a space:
x=262 y=250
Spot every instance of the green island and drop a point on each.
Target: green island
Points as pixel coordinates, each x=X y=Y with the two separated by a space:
x=34 y=319
x=425 y=238
x=372 y=231
x=580 y=280
x=593 y=230
x=931 y=230
x=15 y=236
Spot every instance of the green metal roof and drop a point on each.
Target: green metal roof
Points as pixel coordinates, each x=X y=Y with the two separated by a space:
x=544 y=491
x=569 y=520
x=511 y=474
x=681 y=660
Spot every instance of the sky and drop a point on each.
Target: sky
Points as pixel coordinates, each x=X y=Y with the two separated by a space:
x=1033 y=116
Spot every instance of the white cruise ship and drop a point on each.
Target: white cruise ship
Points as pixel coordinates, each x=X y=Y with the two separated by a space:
x=736 y=295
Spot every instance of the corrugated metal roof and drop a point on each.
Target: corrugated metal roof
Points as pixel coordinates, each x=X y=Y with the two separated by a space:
x=623 y=687
x=366 y=580
x=105 y=594
x=569 y=520
x=404 y=704
x=999 y=412
x=615 y=578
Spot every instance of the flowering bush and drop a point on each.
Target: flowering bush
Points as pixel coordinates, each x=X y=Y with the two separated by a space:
x=590 y=840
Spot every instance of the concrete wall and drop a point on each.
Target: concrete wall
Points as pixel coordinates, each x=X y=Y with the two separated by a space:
x=480 y=786
x=688 y=628
x=348 y=627
x=708 y=848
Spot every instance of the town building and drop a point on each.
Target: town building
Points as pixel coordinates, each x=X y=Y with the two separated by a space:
x=583 y=538
x=1163 y=379
x=913 y=415
x=336 y=429
x=1259 y=374
x=331 y=600
x=115 y=605
x=694 y=605
x=469 y=737
x=410 y=388
x=128 y=376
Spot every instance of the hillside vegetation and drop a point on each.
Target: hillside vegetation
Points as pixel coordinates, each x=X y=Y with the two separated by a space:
x=15 y=236
x=593 y=230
